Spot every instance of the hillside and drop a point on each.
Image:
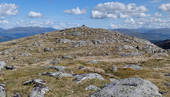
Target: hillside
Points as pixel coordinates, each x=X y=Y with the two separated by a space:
x=67 y=61
x=164 y=44
x=4 y=38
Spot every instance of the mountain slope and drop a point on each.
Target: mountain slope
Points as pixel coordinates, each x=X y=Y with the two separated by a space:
x=60 y=57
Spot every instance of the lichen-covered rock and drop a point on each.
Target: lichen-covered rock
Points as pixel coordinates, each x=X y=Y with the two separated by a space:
x=133 y=66
x=2 y=65
x=80 y=77
x=16 y=95
x=34 y=81
x=92 y=62
x=58 y=68
x=131 y=54
x=129 y=87
x=160 y=54
x=2 y=90
x=92 y=87
x=39 y=90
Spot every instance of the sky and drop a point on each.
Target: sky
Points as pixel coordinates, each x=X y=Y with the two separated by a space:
x=107 y=14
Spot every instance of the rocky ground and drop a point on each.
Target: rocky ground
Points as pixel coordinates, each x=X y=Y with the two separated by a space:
x=81 y=62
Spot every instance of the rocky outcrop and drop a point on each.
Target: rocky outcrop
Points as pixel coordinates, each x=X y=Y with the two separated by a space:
x=130 y=87
x=39 y=90
x=92 y=87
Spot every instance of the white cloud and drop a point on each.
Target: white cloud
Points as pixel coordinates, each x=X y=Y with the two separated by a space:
x=155 y=1
x=110 y=9
x=129 y=21
x=4 y=22
x=157 y=15
x=2 y=18
x=164 y=7
x=32 y=14
x=99 y=15
x=75 y=11
x=8 y=9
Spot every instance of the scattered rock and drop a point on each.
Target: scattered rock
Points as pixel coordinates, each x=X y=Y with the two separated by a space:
x=16 y=95
x=2 y=65
x=25 y=54
x=92 y=87
x=2 y=90
x=133 y=66
x=92 y=62
x=131 y=54
x=129 y=87
x=34 y=81
x=113 y=69
x=9 y=67
x=160 y=54
x=39 y=90
x=67 y=56
x=80 y=77
x=58 y=68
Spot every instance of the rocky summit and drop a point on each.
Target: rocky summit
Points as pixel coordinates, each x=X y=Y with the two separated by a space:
x=81 y=62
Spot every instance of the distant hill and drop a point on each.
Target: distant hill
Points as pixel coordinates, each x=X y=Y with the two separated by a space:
x=153 y=35
x=5 y=38
x=164 y=44
x=19 y=32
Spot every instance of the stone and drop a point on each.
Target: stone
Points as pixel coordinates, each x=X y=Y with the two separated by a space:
x=81 y=77
x=39 y=90
x=9 y=67
x=16 y=95
x=113 y=69
x=47 y=49
x=129 y=87
x=133 y=66
x=92 y=87
x=34 y=81
x=128 y=47
x=131 y=54
x=92 y=62
x=76 y=33
x=2 y=90
x=58 y=68
x=5 y=52
x=25 y=54
x=2 y=65
x=67 y=56
x=160 y=54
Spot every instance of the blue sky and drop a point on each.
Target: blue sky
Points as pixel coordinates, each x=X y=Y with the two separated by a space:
x=109 y=14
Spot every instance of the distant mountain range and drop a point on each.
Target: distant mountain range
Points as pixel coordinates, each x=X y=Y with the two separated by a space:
x=19 y=32
x=153 y=35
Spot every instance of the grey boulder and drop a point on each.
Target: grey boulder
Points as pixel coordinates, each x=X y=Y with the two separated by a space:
x=34 y=81
x=2 y=90
x=58 y=68
x=39 y=90
x=16 y=95
x=80 y=77
x=2 y=65
x=133 y=66
x=129 y=87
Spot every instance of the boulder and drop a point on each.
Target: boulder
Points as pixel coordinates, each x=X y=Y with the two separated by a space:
x=16 y=95
x=2 y=90
x=129 y=87
x=34 y=81
x=133 y=66
x=58 y=68
x=92 y=62
x=2 y=65
x=76 y=33
x=39 y=90
x=80 y=77
x=131 y=54
x=160 y=54
x=67 y=56
x=92 y=87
